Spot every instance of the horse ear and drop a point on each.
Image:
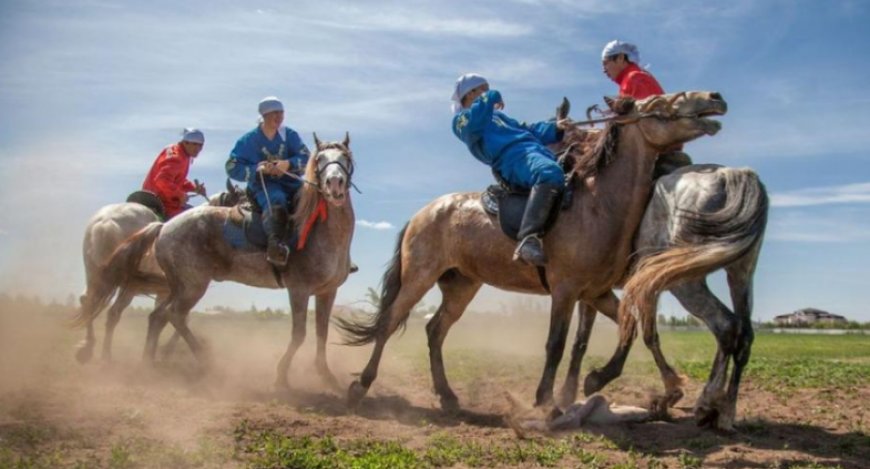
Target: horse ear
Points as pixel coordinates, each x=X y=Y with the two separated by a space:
x=346 y=141
x=620 y=105
x=229 y=186
x=563 y=109
x=317 y=143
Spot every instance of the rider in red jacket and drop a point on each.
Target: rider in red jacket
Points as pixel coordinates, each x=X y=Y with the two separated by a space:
x=168 y=175
x=620 y=61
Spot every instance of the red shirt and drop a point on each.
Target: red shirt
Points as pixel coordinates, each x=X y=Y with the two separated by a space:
x=636 y=82
x=168 y=178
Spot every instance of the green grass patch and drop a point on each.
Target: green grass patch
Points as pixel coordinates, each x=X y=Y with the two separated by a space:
x=267 y=448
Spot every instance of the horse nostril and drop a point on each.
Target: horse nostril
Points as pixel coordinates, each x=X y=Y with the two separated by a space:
x=716 y=96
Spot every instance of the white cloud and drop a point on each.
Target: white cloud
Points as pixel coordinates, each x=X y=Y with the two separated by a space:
x=845 y=194
x=3 y=232
x=375 y=225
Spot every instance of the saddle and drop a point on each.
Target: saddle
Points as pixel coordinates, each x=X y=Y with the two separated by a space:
x=509 y=205
x=244 y=229
x=150 y=200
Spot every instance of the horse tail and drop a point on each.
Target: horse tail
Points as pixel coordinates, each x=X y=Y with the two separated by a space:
x=119 y=271
x=706 y=242
x=364 y=332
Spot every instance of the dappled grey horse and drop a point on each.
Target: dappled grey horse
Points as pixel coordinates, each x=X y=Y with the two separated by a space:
x=192 y=250
x=105 y=231
x=700 y=219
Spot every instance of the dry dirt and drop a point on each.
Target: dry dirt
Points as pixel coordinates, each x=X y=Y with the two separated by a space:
x=82 y=414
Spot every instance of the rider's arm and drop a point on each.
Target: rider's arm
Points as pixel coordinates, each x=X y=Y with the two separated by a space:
x=469 y=124
x=170 y=179
x=242 y=163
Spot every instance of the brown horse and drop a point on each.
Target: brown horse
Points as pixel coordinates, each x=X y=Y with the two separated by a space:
x=192 y=251
x=106 y=230
x=714 y=214
x=453 y=242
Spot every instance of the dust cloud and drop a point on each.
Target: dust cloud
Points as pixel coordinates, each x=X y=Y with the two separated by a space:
x=178 y=400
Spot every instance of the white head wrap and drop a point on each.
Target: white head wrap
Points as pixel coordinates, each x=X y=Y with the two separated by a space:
x=464 y=84
x=617 y=47
x=192 y=135
x=270 y=104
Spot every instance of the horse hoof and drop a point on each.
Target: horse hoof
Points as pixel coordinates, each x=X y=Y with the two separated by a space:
x=84 y=354
x=281 y=385
x=592 y=383
x=674 y=397
x=355 y=393
x=450 y=404
x=705 y=417
x=658 y=408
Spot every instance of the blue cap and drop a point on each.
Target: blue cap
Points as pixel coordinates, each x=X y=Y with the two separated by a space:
x=617 y=47
x=192 y=135
x=270 y=104
x=464 y=84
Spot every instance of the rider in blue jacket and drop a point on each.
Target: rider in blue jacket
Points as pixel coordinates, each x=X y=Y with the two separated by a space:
x=261 y=158
x=516 y=151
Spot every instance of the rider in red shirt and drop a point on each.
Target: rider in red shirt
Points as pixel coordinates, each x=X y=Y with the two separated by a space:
x=168 y=175
x=620 y=61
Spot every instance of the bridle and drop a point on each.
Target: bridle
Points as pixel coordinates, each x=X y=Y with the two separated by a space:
x=668 y=113
x=346 y=169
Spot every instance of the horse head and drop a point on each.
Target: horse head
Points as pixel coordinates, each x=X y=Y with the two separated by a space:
x=670 y=119
x=331 y=168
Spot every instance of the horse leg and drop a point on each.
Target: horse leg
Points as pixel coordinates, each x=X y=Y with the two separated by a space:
x=85 y=349
x=156 y=322
x=673 y=382
x=179 y=310
x=323 y=308
x=585 y=320
x=608 y=304
x=168 y=349
x=457 y=291
x=698 y=300
x=112 y=318
x=415 y=284
x=560 y=319
x=740 y=284
x=299 y=309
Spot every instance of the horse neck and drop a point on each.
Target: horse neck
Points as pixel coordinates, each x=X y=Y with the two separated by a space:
x=624 y=185
x=338 y=228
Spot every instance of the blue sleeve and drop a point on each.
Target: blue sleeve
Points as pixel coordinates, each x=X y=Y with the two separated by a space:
x=544 y=131
x=469 y=124
x=242 y=164
x=297 y=152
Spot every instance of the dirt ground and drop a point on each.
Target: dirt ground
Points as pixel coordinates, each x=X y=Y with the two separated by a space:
x=56 y=412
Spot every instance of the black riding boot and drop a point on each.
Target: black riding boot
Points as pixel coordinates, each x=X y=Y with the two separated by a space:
x=276 y=230
x=541 y=199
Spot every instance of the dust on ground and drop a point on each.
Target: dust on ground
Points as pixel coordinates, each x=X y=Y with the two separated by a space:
x=58 y=412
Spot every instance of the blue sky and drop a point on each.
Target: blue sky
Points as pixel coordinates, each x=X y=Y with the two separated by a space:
x=92 y=90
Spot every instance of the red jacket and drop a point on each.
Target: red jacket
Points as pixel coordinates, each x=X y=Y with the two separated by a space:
x=168 y=178
x=638 y=83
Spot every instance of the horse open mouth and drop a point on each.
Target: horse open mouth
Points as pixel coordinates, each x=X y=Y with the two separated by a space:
x=712 y=126
x=337 y=198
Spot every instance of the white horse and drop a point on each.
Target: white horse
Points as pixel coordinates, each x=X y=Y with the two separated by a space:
x=106 y=230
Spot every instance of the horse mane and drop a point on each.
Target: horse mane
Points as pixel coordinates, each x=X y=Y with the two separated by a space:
x=588 y=152
x=308 y=196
